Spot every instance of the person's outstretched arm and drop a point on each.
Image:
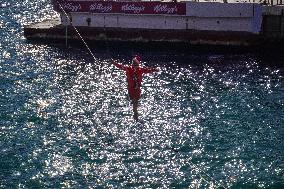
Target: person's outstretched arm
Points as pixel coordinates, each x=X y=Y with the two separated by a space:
x=120 y=66
x=149 y=70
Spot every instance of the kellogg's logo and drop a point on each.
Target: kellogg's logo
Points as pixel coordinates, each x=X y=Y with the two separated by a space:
x=133 y=8
x=165 y=9
x=72 y=8
x=100 y=7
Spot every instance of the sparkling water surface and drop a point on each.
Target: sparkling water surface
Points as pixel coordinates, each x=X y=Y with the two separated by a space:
x=205 y=120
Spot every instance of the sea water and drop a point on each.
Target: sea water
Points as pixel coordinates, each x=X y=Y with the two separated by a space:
x=206 y=120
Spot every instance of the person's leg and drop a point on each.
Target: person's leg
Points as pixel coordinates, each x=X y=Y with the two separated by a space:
x=135 y=109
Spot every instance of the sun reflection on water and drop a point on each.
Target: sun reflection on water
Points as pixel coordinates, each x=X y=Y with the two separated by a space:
x=204 y=123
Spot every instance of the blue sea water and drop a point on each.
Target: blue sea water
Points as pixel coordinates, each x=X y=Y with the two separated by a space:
x=205 y=120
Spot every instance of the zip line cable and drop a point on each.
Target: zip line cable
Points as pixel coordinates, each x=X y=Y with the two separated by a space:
x=77 y=31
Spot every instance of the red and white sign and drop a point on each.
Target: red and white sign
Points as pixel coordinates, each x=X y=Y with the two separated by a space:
x=148 y=7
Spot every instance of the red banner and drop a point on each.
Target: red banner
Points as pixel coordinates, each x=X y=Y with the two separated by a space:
x=148 y=7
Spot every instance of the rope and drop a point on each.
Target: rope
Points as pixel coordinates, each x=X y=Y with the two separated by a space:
x=77 y=31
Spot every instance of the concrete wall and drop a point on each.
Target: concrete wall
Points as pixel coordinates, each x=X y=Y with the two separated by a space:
x=224 y=10
x=226 y=16
x=128 y=21
x=273 y=10
x=220 y=24
x=199 y=16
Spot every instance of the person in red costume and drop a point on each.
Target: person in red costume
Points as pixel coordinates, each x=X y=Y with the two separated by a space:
x=134 y=79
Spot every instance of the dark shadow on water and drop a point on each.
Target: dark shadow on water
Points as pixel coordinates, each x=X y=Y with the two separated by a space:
x=171 y=52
